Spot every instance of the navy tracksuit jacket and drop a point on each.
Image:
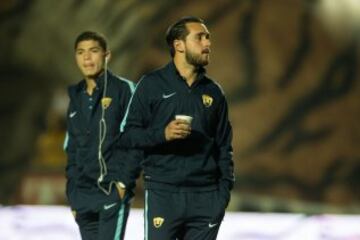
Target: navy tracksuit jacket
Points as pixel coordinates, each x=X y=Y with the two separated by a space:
x=203 y=161
x=82 y=142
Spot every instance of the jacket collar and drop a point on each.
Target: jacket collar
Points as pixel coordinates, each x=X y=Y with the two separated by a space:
x=172 y=71
x=81 y=86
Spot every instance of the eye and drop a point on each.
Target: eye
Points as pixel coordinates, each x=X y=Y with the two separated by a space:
x=198 y=37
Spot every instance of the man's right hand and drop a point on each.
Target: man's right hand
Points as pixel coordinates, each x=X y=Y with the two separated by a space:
x=177 y=129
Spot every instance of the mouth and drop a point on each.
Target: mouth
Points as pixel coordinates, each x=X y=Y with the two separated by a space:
x=88 y=65
x=206 y=51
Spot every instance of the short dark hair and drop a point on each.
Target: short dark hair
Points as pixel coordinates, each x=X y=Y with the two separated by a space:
x=179 y=31
x=90 y=35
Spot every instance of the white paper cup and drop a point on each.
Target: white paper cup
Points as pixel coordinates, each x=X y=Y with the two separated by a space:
x=186 y=118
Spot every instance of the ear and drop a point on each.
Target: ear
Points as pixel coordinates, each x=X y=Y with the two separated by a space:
x=107 y=56
x=179 y=46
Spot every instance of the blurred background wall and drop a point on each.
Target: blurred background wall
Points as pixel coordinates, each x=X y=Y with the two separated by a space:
x=290 y=70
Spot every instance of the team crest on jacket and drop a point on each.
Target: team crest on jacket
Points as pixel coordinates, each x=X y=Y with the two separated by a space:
x=207 y=100
x=105 y=102
x=158 y=221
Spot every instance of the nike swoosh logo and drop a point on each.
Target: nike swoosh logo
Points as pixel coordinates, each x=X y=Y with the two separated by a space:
x=107 y=207
x=168 y=95
x=211 y=225
x=72 y=114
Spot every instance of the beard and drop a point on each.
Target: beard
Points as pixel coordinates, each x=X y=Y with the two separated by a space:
x=197 y=60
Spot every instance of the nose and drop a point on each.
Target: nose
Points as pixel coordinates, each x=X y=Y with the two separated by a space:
x=207 y=42
x=87 y=55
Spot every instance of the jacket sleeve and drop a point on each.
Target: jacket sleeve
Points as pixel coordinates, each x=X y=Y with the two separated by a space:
x=70 y=149
x=136 y=131
x=223 y=141
x=131 y=167
x=71 y=168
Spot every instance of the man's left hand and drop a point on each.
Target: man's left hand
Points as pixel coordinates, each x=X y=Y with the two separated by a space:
x=121 y=191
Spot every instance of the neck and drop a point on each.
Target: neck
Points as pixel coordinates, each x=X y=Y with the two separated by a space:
x=186 y=70
x=91 y=82
x=90 y=85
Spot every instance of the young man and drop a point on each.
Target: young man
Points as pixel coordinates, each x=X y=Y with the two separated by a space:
x=188 y=167
x=100 y=177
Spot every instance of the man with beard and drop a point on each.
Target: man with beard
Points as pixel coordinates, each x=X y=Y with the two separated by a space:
x=100 y=177
x=188 y=166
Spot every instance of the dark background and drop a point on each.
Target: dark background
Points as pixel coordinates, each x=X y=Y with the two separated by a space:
x=290 y=70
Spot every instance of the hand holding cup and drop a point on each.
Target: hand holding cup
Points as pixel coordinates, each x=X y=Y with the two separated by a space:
x=179 y=128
